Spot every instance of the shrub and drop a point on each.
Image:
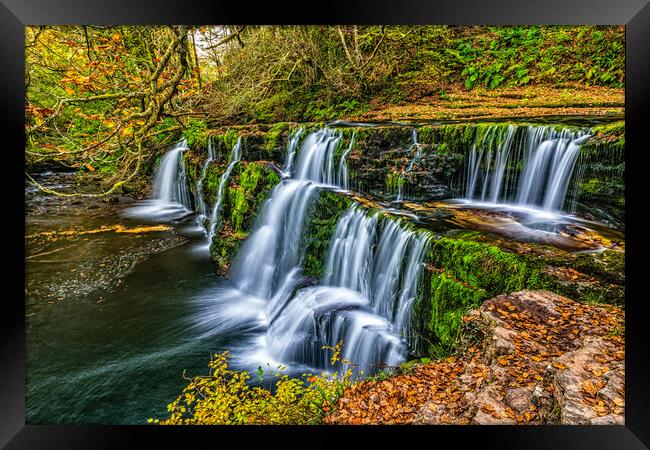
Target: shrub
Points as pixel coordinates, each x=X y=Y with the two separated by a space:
x=225 y=396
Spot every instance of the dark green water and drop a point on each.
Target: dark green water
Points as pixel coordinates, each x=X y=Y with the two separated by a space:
x=114 y=355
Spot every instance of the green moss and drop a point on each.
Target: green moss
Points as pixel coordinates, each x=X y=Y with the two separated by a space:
x=196 y=133
x=322 y=218
x=246 y=193
x=611 y=130
x=450 y=300
x=273 y=135
x=484 y=266
x=224 y=142
x=249 y=187
x=600 y=186
x=394 y=181
x=461 y=274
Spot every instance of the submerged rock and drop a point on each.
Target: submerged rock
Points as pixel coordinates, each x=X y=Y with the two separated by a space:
x=531 y=357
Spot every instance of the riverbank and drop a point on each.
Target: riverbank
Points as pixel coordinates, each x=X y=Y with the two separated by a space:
x=515 y=103
x=429 y=250
x=528 y=358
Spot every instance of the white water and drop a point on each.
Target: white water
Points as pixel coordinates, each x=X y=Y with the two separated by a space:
x=380 y=259
x=418 y=155
x=364 y=298
x=235 y=156
x=316 y=158
x=548 y=158
x=370 y=278
x=171 y=197
x=292 y=146
x=342 y=175
x=199 y=201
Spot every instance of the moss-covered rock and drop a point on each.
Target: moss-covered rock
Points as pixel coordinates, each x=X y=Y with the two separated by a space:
x=465 y=268
x=249 y=186
x=599 y=192
x=460 y=274
x=322 y=217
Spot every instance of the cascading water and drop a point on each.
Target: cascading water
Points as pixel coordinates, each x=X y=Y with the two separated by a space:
x=369 y=284
x=292 y=146
x=316 y=158
x=235 y=156
x=199 y=201
x=548 y=158
x=364 y=298
x=418 y=155
x=342 y=175
x=171 y=196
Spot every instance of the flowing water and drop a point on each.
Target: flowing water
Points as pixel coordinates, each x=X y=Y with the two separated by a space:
x=418 y=155
x=547 y=157
x=235 y=156
x=171 y=196
x=291 y=152
x=108 y=317
x=363 y=299
x=201 y=208
x=342 y=174
x=114 y=350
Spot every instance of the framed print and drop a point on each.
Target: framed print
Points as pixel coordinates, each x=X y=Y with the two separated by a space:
x=422 y=219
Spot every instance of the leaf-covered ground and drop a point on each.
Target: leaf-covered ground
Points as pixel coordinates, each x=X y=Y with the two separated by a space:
x=507 y=102
x=532 y=357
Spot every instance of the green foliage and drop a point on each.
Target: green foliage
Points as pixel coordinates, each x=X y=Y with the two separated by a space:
x=327 y=111
x=196 y=133
x=101 y=99
x=521 y=55
x=225 y=396
x=329 y=72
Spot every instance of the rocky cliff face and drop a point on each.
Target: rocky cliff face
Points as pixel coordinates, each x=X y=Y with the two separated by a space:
x=531 y=357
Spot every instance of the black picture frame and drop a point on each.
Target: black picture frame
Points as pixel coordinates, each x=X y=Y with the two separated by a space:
x=635 y=14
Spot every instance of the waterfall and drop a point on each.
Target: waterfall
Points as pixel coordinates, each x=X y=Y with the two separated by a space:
x=364 y=299
x=268 y=265
x=171 y=196
x=370 y=280
x=235 y=156
x=342 y=176
x=371 y=262
x=291 y=152
x=561 y=169
x=269 y=259
x=418 y=155
x=199 y=201
x=316 y=158
x=548 y=158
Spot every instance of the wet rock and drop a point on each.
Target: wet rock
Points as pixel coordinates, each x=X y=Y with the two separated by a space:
x=542 y=359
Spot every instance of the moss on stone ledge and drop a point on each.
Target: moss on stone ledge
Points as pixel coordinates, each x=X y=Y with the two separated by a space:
x=249 y=187
x=322 y=217
x=460 y=274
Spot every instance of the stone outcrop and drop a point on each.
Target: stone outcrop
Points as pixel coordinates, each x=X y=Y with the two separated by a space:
x=531 y=357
